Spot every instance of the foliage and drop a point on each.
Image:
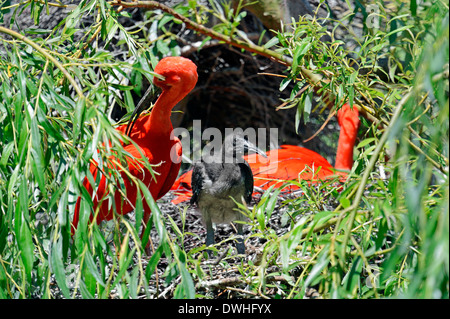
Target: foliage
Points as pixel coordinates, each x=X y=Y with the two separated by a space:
x=386 y=234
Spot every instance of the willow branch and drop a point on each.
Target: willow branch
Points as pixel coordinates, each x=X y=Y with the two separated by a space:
x=360 y=191
x=314 y=78
x=46 y=55
x=207 y=31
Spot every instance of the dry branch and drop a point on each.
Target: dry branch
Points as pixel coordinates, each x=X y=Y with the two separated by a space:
x=233 y=281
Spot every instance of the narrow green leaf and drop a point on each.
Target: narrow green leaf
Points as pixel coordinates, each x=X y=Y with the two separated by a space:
x=298 y=115
x=156 y=213
x=322 y=262
x=307 y=107
x=3 y=284
x=92 y=267
x=57 y=267
x=345 y=202
x=352 y=278
x=37 y=164
x=22 y=229
x=153 y=262
x=139 y=211
x=406 y=27
x=365 y=142
x=299 y=52
x=187 y=283
x=6 y=153
x=271 y=42
x=62 y=208
x=284 y=83
x=284 y=254
x=271 y=203
x=48 y=127
x=78 y=121
x=23 y=84
x=134 y=281
x=89 y=280
x=85 y=291
x=4 y=231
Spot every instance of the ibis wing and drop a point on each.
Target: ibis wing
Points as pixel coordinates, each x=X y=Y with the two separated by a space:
x=197 y=182
x=174 y=168
x=246 y=172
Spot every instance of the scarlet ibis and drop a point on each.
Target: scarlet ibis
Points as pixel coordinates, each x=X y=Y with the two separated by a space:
x=152 y=134
x=220 y=178
x=294 y=162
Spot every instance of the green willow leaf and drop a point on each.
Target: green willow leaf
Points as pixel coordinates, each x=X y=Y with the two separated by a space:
x=57 y=266
x=22 y=230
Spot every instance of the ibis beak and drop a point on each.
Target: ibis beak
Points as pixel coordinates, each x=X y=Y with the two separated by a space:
x=251 y=148
x=148 y=96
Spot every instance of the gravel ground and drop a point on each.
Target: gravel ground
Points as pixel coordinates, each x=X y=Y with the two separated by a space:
x=225 y=279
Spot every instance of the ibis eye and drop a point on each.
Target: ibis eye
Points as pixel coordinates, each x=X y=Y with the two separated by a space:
x=159 y=78
x=174 y=79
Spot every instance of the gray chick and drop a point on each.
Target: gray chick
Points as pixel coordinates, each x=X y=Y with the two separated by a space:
x=219 y=178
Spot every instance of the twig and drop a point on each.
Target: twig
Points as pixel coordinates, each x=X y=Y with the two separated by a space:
x=195 y=46
x=243 y=291
x=171 y=286
x=52 y=4
x=216 y=261
x=231 y=281
x=321 y=128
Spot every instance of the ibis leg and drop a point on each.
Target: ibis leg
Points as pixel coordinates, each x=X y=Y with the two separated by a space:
x=209 y=234
x=240 y=241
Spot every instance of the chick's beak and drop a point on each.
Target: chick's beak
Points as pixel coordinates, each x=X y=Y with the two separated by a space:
x=251 y=148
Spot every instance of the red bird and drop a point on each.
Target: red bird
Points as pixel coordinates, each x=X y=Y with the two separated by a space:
x=293 y=162
x=152 y=134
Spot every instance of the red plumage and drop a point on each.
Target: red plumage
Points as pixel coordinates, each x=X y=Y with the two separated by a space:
x=152 y=134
